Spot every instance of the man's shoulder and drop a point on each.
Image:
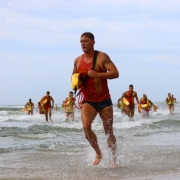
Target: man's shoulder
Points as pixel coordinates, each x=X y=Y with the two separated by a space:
x=102 y=55
x=78 y=57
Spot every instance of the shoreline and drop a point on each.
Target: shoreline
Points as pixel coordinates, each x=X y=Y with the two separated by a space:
x=157 y=176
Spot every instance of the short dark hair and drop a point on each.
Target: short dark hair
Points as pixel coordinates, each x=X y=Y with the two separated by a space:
x=29 y=99
x=71 y=92
x=131 y=85
x=48 y=92
x=88 y=34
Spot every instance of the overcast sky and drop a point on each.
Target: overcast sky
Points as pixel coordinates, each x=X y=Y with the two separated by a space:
x=39 y=40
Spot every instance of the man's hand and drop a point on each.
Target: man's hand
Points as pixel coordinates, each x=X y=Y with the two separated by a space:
x=93 y=73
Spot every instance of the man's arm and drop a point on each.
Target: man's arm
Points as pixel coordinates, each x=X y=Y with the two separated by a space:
x=75 y=70
x=137 y=100
x=119 y=99
x=32 y=105
x=123 y=95
x=52 y=102
x=106 y=64
x=151 y=102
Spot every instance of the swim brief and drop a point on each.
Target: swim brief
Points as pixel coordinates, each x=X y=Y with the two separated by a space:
x=100 y=105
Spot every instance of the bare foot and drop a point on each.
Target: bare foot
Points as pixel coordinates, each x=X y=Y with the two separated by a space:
x=115 y=162
x=97 y=159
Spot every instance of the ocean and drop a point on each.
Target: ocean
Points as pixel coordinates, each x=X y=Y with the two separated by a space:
x=31 y=148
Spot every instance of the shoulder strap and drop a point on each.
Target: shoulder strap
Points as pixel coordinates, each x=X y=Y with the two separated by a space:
x=94 y=59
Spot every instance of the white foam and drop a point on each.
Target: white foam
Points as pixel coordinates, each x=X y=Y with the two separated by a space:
x=38 y=136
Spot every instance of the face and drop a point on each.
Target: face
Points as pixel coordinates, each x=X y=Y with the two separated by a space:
x=169 y=94
x=70 y=95
x=144 y=96
x=47 y=94
x=87 y=43
x=130 y=88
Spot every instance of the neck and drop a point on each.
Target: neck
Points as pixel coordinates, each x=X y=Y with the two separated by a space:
x=89 y=55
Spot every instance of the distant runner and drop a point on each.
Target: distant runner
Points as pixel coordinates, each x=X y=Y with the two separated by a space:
x=170 y=102
x=41 y=108
x=129 y=96
x=145 y=106
x=30 y=107
x=69 y=106
x=46 y=102
x=174 y=99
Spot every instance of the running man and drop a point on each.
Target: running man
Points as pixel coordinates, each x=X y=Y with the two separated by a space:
x=46 y=102
x=170 y=102
x=30 y=107
x=69 y=106
x=96 y=95
x=129 y=96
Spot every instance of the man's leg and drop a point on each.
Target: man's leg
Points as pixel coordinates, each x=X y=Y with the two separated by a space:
x=132 y=112
x=67 y=116
x=127 y=110
x=49 y=111
x=106 y=115
x=169 y=108
x=88 y=113
x=46 y=114
x=72 y=116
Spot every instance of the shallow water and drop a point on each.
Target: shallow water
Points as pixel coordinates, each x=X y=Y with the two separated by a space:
x=33 y=148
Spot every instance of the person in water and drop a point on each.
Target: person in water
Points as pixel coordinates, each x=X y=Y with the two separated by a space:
x=145 y=105
x=129 y=96
x=174 y=99
x=41 y=108
x=46 y=102
x=30 y=107
x=96 y=96
x=170 y=102
x=121 y=105
x=69 y=106
x=56 y=108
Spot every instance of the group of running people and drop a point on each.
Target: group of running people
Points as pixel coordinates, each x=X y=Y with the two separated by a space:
x=127 y=105
x=45 y=106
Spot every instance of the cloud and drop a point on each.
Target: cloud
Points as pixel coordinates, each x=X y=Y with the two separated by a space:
x=140 y=37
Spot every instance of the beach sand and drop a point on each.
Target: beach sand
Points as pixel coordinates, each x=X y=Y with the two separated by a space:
x=47 y=165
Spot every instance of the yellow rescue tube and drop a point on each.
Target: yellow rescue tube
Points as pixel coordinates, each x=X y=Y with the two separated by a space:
x=26 y=109
x=23 y=110
x=29 y=109
x=144 y=105
x=44 y=102
x=125 y=101
x=75 y=80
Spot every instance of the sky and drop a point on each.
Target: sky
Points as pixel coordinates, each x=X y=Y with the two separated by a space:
x=40 y=39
